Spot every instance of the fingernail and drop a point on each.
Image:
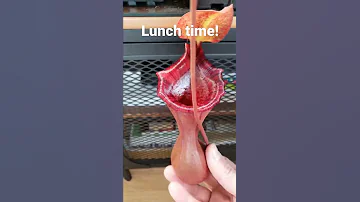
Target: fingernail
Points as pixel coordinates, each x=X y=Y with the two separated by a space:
x=215 y=153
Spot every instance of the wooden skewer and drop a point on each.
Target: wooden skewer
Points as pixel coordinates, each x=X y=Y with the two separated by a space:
x=193 y=4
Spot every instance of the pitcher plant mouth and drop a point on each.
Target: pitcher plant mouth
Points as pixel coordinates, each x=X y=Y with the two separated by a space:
x=174 y=83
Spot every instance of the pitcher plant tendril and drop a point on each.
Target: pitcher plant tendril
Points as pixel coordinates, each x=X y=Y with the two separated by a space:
x=191 y=87
x=193 y=45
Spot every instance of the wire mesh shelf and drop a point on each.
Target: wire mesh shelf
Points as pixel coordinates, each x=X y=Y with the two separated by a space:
x=149 y=128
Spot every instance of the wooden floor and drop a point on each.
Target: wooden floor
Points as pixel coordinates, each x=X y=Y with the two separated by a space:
x=147 y=185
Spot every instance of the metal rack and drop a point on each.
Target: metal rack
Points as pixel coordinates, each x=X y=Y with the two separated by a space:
x=149 y=128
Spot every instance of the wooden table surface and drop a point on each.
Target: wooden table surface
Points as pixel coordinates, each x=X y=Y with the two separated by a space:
x=147 y=185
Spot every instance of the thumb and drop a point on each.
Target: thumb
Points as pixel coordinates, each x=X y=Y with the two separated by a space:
x=223 y=170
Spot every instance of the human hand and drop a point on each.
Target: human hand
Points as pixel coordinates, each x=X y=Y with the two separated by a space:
x=220 y=186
